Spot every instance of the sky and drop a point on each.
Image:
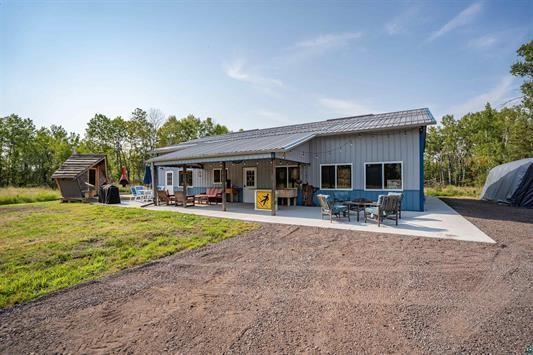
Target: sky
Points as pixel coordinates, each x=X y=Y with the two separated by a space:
x=256 y=64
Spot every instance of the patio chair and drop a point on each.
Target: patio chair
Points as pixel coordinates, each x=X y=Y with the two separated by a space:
x=184 y=200
x=134 y=193
x=399 y=202
x=386 y=207
x=213 y=194
x=164 y=196
x=330 y=208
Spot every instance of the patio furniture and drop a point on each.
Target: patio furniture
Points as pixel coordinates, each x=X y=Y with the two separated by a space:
x=135 y=194
x=399 y=203
x=386 y=207
x=212 y=194
x=358 y=205
x=182 y=199
x=330 y=208
x=164 y=196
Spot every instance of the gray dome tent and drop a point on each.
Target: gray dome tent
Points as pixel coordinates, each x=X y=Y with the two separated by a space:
x=511 y=183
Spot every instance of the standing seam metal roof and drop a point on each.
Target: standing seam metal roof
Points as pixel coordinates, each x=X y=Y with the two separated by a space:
x=286 y=137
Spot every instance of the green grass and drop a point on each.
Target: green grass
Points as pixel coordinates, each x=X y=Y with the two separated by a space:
x=12 y=195
x=49 y=246
x=453 y=191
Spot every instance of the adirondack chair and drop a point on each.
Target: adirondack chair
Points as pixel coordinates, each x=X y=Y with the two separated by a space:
x=386 y=207
x=184 y=200
x=399 y=203
x=330 y=208
x=164 y=196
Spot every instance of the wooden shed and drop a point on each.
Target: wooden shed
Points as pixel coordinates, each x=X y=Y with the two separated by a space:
x=80 y=176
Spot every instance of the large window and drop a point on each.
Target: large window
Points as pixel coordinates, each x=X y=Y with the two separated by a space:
x=189 y=178
x=336 y=176
x=383 y=176
x=287 y=177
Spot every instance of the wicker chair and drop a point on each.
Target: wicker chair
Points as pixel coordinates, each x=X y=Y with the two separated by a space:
x=386 y=207
x=182 y=199
x=399 y=203
x=329 y=208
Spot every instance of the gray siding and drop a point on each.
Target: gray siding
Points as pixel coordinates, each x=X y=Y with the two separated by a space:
x=360 y=148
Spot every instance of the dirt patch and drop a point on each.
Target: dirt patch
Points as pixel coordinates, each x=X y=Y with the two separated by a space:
x=290 y=289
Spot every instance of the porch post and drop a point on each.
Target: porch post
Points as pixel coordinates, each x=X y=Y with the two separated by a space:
x=273 y=182
x=154 y=184
x=223 y=178
x=184 y=173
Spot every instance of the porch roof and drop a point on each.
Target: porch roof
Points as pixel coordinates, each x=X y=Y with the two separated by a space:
x=229 y=150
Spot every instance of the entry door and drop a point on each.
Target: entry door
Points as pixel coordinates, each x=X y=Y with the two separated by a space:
x=169 y=182
x=249 y=184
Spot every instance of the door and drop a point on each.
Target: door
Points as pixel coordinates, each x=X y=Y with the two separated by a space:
x=169 y=182
x=249 y=184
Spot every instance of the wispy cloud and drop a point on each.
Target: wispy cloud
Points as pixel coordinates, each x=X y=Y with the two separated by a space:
x=239 y=71
x=400 y=23
x=462 y=19
x=496 y=96
x=273 y=116
x=483 y=42
x=331 y=40
x=343 y=107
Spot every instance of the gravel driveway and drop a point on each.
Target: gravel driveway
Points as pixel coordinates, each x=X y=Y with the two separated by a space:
x=290 y=289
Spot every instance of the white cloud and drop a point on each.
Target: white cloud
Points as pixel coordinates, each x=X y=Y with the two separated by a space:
x=343 y=107
x=274 y=116
x=331 y=40
x=238 y=71
x=462 y=19
x=483 y=42
x=398 y=25
x=496 y=96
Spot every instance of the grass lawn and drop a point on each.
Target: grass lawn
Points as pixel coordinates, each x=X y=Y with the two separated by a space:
x=453 y=191
x=51 y=245
x=11 y=195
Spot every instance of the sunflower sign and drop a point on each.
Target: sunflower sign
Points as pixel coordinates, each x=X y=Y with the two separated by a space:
x=264 y=200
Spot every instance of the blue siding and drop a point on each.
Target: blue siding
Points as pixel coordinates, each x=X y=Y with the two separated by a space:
x=411 y=198
x=422 y=147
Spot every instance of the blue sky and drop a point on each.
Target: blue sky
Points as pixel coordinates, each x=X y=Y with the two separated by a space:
x=256 y=64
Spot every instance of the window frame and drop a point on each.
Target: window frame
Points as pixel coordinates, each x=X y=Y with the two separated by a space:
x=180 y=172
x=382 y=174
x=287 y=169
x=336 y=188
x=166 y=177
x=220 y=182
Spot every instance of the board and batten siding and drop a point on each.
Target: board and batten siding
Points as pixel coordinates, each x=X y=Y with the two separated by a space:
x=366 y=148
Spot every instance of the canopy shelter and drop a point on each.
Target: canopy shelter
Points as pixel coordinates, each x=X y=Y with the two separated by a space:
x=81 y=176
x=511 y=183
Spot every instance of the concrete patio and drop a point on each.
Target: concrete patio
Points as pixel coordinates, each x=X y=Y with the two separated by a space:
x=437 y=221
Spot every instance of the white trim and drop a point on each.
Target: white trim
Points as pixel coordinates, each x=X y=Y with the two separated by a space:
x=335 y=188
x=382 y=174
x=287 y=167
x=192 y=177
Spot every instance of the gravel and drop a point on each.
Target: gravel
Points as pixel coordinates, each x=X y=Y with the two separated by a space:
x=293 y=289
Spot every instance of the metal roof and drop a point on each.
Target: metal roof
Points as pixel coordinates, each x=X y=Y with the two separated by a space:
x=76 y=165
x=287 y=137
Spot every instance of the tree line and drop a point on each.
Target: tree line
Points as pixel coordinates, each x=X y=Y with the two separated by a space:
x=462 y=151
x=458 y=151
x=29 y=156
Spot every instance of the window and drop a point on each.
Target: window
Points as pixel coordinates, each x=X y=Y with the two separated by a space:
x=92 y=177
x=336 y=176
x=217 y=176
x=169 y=178
x=287 y=177
x=383 y=176
x=189 y=178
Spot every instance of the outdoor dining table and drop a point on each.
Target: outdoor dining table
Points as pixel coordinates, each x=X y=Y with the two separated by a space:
x=358 y=205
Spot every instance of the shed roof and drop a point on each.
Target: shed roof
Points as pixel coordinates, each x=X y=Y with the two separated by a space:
x=76 y=165
x=287 y=137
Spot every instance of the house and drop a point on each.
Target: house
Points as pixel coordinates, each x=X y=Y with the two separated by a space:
x=349 y=157
x=81 y=176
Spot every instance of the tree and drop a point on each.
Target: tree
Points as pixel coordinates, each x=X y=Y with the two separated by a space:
x=524 y=69
x=175 y=131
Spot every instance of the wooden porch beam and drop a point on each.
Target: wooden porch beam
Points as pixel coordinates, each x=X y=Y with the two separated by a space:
x=223 y=178
x=273 y=182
